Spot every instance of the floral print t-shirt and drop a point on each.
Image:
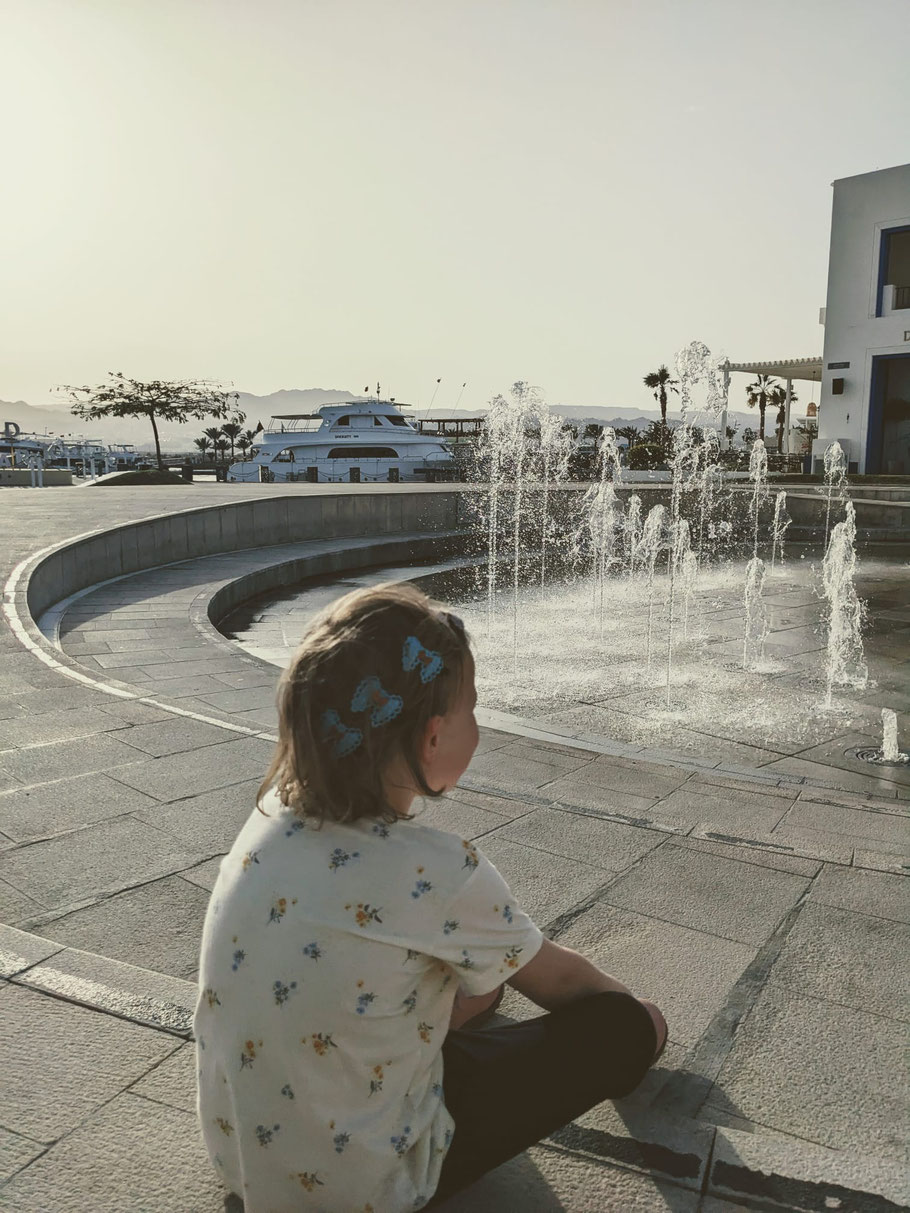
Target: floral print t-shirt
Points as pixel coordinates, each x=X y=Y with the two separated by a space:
x=330 y=960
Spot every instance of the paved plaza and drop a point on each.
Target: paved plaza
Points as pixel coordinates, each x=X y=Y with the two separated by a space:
x=764 y=909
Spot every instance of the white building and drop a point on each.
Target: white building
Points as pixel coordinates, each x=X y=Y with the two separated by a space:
x=865 y=391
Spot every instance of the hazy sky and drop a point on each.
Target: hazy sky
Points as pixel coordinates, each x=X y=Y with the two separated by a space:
x=327 y=193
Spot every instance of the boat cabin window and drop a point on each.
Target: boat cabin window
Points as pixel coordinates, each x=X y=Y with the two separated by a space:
x=362 y=452
x=285 y=456
x=395 y=420
x=343 y=421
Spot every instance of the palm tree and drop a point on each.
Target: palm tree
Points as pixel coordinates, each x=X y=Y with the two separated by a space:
x=246 y=441
x=221 y=447
x=760 y=393
x=214 y=435
x=202 y=446
x=659 y=381
x=232 y=431
x=630 y=433
x=779 y=397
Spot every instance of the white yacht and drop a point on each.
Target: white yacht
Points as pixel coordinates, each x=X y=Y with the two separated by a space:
x=364 y=440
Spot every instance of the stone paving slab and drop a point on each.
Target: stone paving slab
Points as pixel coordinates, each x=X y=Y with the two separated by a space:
x=820 y=773
x=849 y=959
x=577 y=789
x=791 y=1175
x=748 y=812
x=16 y=905
x=711 y=893
x=206 y=822
x=132 y=1154
x=58 y=760
x=544 y=884
x=173 y=1082
x=91 y=863
x=32 y=729
x=605 y=844
x=20 y=950
x=16 y=1152
x=214 y=766
x=156 y=925
x=173 y=736
x=757 y=855
x=549 y=1180
x=117 y=988
x=519 y=772
x=459 y=818
x=204 y=875
x=874 y=827
x=52 y=808
x=824 y=1072
x=49 y=1090
x=686 y=972
x=883 y=896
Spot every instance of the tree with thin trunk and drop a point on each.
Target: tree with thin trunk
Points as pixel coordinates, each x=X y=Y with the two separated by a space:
x=761 y=393
x=181 y=401
x=631 y=434
x=214 y=435
x=232 y=431
x=779 y=398
x=221 y=447
x=202 y=446
x=246 y=441
x=660 y=383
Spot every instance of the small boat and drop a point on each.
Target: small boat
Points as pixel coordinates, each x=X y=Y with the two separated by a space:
x=358 y=441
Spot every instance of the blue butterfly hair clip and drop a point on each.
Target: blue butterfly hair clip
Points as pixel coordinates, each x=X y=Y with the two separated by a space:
x=344 y=740
x=370 y=695
x=414 y=656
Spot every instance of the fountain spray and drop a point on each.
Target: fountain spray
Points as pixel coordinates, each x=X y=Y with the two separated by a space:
x=758 y=474
x=496 y=443
x=890 y=751
x=846 y=660
x=680 y=546
x=689 y=577
x=647 y=553
x=708 y=480
x=555 y=449
x=756 y=630
x=781 y=522
x=602 y=512
x=526 y=401
x=835 y=479
x=632 y=531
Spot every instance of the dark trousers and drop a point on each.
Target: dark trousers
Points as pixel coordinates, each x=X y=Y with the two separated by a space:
x=508 y=1087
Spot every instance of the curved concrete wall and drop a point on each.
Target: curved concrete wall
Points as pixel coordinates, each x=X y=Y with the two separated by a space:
x=342 y=561
x=288 y=518
x=135 y=546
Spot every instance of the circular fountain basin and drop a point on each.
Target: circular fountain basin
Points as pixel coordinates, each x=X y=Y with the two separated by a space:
x=577 y=656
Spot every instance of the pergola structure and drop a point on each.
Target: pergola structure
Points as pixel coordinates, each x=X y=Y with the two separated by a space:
x=785 y=368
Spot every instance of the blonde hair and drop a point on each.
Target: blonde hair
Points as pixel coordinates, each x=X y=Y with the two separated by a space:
x=360 y=636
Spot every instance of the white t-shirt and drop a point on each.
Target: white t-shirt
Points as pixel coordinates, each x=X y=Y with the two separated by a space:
x=330 y=961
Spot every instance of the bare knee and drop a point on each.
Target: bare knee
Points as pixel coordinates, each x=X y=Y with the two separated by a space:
x=660 y=1024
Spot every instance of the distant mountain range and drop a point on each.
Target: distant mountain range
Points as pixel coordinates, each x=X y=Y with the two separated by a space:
x=56 y=419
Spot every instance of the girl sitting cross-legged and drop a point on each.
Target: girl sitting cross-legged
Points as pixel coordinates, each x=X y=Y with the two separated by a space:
x=350 y=953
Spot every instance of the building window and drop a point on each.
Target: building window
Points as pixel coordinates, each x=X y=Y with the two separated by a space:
x=894 y=271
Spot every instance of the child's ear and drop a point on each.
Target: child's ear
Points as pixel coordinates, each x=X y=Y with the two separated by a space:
x=429 y=742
